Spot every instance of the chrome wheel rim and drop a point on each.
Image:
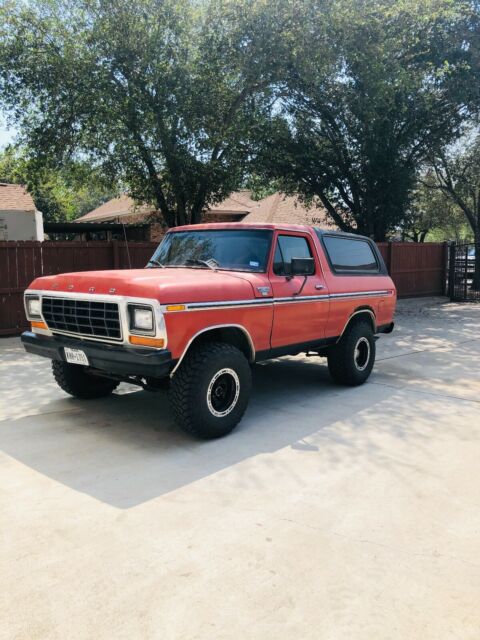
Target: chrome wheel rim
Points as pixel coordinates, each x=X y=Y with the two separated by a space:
x=223 y=392
x=361 y=355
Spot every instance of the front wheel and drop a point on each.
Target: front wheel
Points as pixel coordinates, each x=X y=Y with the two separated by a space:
x=79 y=383
x=351 y=361
x=211 y=389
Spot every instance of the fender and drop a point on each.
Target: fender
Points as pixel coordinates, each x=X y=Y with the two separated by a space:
x=356 y=313
x=212 y=328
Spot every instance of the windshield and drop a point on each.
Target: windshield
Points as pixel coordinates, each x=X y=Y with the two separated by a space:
x=232 y=250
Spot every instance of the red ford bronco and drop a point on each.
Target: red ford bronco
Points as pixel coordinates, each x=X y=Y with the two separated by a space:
x=213 y=299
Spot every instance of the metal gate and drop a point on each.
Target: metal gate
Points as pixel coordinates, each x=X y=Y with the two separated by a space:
x=463 y=286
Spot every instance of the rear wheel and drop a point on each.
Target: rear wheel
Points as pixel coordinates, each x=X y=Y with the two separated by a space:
x=79 y=383
x=351 y=361
x=211 y=389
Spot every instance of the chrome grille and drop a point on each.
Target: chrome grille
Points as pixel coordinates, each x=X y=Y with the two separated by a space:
x=84 y=317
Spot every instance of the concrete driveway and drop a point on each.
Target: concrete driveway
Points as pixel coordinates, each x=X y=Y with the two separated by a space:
x=330 y=513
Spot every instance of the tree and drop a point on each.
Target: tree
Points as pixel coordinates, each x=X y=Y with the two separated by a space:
x=401 y=77
x=164 y=95
x=432 y=213
x=458 y=177
x=60 y=194
x=259 y=187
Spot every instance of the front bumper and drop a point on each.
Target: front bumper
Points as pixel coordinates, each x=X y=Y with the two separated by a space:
x=118 y=360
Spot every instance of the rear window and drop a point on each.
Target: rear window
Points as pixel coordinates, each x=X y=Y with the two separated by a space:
x=348 y=255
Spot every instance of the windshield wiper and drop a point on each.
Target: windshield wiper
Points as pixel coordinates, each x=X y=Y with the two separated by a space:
x=157 y=263
x=211 y=263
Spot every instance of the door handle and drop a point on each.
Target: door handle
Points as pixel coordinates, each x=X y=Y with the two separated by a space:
x=319 y=287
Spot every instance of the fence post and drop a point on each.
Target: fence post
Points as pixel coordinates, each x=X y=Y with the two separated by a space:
x=446 y=269
x=116 y=257
x=451 y=271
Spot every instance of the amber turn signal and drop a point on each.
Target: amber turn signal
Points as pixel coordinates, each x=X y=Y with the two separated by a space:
x=176 y=307
x=147 y=342
x=38 y=325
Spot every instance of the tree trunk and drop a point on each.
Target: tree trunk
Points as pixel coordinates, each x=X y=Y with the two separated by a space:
x=167 y=214
x=377 y=232
x=181 y=217
x=196 y=214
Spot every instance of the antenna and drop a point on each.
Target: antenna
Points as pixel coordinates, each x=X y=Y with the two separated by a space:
x=126 y=246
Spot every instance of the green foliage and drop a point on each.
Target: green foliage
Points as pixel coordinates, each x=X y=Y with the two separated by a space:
x=433 y=216
x=61 y=194
x=399 y=78
x=457 y=178
x=179 y=100
x=166 y=96
x=259 y=187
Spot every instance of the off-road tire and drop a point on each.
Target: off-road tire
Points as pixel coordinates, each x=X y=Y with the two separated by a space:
x=344 y=366
x=79 y=383
x=190 y=389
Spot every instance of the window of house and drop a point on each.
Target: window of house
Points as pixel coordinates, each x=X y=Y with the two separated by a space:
x=289 y=247
x=350 y=254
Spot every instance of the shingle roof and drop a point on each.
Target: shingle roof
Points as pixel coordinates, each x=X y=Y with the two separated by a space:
x=284 y=209
x=237 y=202
x=275 y=208
x=14 y=197
x=116 y=208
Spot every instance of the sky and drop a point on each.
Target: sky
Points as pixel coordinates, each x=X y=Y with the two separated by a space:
x=6 y=135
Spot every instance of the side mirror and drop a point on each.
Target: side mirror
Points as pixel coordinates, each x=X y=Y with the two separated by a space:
x=302 y=266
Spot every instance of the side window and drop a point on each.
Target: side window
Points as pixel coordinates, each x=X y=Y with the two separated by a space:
x=289 y=247
x=349 y=255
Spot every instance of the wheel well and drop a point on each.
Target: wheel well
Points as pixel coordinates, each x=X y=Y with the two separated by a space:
x=236 y=336
x=362 y=313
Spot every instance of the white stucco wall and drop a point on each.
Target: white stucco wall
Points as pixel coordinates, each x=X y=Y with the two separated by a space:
x=39 y=225
x=21 y=225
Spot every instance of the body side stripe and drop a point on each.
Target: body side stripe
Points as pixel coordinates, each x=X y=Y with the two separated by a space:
x=266 y=302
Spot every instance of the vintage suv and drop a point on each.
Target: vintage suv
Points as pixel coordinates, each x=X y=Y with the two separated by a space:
x=214 y=299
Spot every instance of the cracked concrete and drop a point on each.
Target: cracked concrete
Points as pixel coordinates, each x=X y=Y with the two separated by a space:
x=330 y=513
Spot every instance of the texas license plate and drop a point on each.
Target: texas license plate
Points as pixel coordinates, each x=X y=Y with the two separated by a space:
x=76 y=356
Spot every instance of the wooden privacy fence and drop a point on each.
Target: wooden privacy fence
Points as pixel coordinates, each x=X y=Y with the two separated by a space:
x=21 y=262
x=417 y=269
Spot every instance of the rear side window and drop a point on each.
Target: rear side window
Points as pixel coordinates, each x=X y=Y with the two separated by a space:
x=289 y=247
x=348 y=255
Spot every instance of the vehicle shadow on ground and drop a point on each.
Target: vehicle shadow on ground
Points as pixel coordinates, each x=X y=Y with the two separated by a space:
x=126 y=449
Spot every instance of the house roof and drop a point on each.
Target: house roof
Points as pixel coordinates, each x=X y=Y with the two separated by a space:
x=277 y=208
x=237 y=202
x=282 y=209
x=116 y=208
x=15 y=197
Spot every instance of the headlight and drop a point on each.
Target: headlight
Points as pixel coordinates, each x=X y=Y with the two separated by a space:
x=141 y=319
x=33 y=307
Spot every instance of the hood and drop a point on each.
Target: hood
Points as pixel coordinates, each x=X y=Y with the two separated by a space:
x=166 y=285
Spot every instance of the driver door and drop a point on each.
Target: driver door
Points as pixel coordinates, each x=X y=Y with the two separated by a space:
x=300 y=314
